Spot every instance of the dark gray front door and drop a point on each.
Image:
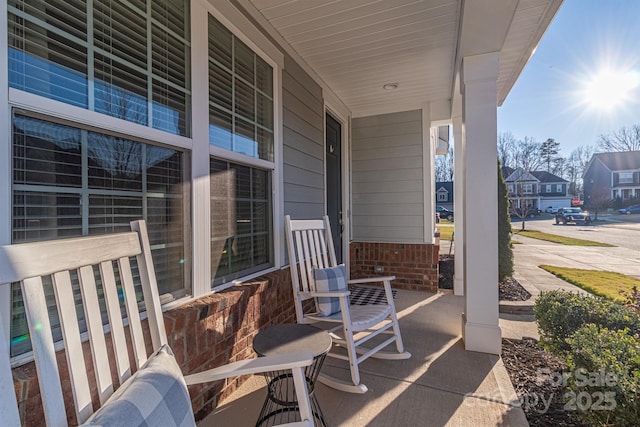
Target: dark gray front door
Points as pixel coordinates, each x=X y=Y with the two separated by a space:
x=333 y=172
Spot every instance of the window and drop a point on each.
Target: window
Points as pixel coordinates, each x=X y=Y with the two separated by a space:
x=547 y=188
x=625 y=177
x=125 y=59
x=73 y=181
x=442 y=196
x=527 y=188
x=240 y=96
x=240 y=220
x=241 y=121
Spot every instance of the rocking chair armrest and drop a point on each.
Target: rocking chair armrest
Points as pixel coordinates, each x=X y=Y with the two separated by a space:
x=337 y=294
x=372 y=280
x=253 y=366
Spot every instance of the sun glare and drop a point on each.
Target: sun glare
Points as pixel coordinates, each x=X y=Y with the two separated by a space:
x=610 y=89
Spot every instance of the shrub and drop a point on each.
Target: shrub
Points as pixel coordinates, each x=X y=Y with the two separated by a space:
x=505 y=252
x=560 y=314
x=632 y=299
x=605 y=376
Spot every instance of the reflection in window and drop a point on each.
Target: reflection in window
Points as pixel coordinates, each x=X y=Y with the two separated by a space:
x=69 y=182
x=123 y=59
x=240 y=220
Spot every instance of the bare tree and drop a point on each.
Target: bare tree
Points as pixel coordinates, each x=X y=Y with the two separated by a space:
x=624 y=139
x=599 y=200
x=506 y=148
x=575 y=166
x=444 y=166
x=527 y=155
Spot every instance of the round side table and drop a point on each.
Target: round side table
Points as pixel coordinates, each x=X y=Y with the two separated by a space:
x=280 y=405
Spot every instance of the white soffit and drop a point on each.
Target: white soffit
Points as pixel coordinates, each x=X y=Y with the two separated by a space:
x=357 y=46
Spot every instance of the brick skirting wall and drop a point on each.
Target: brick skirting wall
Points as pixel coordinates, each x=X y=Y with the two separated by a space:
x=414 y=265
x=205 y=333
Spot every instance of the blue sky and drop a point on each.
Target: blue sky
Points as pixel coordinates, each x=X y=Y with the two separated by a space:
x=549 y=99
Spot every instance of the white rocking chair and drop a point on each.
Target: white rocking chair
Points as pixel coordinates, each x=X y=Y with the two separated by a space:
x=315 y=274
x=156 y=394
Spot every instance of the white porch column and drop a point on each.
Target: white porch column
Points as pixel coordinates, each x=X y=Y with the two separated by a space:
x=480 y=328
x=458 y=205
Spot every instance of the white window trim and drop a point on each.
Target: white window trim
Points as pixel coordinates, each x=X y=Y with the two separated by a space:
x=52 y=108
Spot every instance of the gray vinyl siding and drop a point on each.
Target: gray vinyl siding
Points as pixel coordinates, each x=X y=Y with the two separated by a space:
x=387 y=178
x=303 y=146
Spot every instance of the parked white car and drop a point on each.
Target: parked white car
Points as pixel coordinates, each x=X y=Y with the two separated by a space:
x=552 y=209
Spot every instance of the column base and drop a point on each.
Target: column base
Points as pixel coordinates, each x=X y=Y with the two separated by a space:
x=458 y=286
x=481 y=338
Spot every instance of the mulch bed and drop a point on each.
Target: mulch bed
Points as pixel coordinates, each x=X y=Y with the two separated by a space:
x=508 y=290
x=445 y=272
x=535 y=375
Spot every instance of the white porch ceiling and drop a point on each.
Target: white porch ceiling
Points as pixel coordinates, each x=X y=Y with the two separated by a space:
x=357 y=46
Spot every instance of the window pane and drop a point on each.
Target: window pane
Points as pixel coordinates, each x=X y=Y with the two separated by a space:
x=57 y=48
x=264 y=77
x=46 y=153
x=114 y=163
x=170 y=107
x=220 y=128
x=43 y=63
x=120 y=91
x=45 y=216
x=240 y=220
x=116 y=31
x=220 y=87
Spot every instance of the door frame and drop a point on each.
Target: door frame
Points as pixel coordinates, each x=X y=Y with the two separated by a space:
x=343 y=117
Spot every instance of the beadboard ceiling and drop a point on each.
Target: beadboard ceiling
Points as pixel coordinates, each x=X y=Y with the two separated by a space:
x=358 y=46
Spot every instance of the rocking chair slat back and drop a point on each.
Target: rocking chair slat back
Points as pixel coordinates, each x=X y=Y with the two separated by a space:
x=314 y=249
x=98 y=262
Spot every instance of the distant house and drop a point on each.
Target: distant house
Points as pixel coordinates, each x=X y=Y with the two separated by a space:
x=610 y=176
x=536 y=189
x=444 y=194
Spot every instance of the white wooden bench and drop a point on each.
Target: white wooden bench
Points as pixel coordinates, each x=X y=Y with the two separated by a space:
x=158 y=381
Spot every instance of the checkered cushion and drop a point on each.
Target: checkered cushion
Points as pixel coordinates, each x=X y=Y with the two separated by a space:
x=156 y=395
x=330 y=280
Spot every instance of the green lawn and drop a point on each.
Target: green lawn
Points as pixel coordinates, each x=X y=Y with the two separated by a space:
x=569 y=241
x=606 y=284
x=446 y=231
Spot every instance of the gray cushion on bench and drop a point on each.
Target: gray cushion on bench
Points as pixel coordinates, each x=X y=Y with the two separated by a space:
x=156 y=395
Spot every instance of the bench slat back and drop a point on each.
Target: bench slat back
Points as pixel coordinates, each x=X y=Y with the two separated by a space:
x=108 y=258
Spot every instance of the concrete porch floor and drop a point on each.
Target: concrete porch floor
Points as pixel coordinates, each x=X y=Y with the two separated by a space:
x=440 y=385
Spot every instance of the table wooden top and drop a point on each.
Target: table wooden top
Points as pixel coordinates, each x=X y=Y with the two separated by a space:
x=290 y=338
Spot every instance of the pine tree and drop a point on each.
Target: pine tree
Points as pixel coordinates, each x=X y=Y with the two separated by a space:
x=549 y=151
x=505 y=252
